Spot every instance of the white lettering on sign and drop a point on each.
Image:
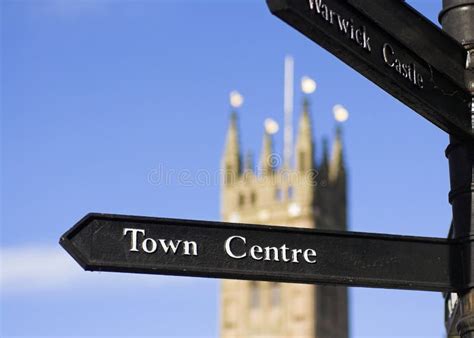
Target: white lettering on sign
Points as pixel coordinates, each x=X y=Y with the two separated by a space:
x=229 y=251
x=150 y=245
x=346 y=26
x=452 y=303
x=134 y=232
x=358 y=34
x=269 y=253
x=406 y=70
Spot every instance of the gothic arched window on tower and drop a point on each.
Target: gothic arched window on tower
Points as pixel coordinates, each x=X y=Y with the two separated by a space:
x=290 y=193
x=253 y=198
x=254 y=295
x=276 y=294
x=302 y=160
x=279 y=194
x=228 y=174
x=241 y=200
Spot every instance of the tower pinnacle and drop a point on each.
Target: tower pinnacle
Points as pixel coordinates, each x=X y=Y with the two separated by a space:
x=231 y=163
x=266 y=157
x=304 y=143
x=336 y=166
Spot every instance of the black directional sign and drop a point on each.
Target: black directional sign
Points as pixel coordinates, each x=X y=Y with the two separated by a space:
x=395 y=47
x=101 y=242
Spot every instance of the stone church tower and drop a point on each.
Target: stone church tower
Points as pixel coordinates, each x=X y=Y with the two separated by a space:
x=308 y=195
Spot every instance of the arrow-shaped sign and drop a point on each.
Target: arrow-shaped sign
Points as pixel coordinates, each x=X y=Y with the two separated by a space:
x=395 y=47
x=101 y=242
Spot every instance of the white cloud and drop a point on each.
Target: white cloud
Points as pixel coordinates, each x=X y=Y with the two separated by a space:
x=36 y=267
x=44 y=268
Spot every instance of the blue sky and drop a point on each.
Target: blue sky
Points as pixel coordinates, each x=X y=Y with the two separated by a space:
x=96 y=96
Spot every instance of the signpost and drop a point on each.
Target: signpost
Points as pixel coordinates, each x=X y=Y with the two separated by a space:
x=408 y=56
x=101 y=242
x=433 y=73
x=395 y=47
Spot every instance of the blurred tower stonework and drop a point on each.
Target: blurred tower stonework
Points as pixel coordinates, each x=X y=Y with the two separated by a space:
x=307 y=195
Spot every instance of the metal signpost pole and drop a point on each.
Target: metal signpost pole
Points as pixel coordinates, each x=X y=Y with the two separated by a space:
x=457 y=18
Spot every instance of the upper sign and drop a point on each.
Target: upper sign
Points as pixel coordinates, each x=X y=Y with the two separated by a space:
x=395 y=47
x=241 y=251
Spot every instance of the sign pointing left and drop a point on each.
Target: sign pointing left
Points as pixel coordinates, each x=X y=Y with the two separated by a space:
x=101 y=242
